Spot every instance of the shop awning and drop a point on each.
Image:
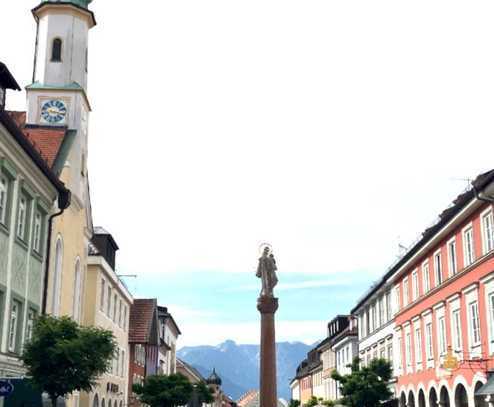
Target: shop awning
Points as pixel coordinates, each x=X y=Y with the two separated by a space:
x=487 y=389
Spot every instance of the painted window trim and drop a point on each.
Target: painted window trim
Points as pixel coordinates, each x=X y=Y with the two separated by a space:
x=485 y=213
x=448 y=246
x=466 y=228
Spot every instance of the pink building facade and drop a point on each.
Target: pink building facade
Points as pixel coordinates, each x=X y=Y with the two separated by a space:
x=444 y=319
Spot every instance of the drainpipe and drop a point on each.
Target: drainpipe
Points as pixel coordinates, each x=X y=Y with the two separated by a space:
x=63 y=203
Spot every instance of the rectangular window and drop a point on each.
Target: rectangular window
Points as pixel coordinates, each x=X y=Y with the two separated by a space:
x=397 y=298
x=102 y=298
x=405 y=291
x=442 y=336
x=115 y=308
x=415 y=285
x=426 y=276
x=408 y=349
x=388 y=306
x=452 y=262
x=14 y=320
x=487 y=232
x=381 y=311
x=30 y=324
x=456 y=329
x=125 y=318
x=474 y=323
x=374 y=316
x=120 y=313
x=37 y=232
x=438 y=272
x=418 y=346
x=390 y=352
x=4 y=191
x=428 y=341
x=468 y=252
x=108 y=299
x=21 y=218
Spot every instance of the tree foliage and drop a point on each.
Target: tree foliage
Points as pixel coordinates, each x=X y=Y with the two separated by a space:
x=312 y=402
x=63 y=357
x=294 y=403
x=204 y=393
x=366 y=386
x=164 y=391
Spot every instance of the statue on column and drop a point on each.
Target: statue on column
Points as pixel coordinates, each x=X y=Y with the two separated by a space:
x=266 y=271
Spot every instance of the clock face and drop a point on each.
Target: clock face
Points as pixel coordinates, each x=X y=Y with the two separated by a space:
x=53 y=111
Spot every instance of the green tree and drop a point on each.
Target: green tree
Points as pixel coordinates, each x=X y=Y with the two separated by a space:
x=164 y=391
x=313 y=401
x=63 y=357
x=204 y=393
x=294 y=403
x=366 y=386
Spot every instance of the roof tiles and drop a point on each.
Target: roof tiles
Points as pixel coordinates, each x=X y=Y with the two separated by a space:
x=142 y=313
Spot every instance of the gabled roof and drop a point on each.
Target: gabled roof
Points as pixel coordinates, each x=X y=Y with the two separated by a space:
x=30 y=150
x=143 y=317
x=47 y=140
x=164 y=314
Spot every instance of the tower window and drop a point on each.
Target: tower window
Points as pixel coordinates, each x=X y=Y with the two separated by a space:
x=56 y=50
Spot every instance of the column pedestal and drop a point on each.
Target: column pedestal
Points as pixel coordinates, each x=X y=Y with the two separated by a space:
x=267 y=306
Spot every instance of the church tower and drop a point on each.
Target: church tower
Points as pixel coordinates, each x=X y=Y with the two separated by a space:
x=58 y=95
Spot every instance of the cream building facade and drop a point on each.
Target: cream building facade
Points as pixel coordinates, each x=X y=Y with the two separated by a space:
x=107 y=303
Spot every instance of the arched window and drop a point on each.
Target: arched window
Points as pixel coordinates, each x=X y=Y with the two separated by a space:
x=56 y=50
x=76 y=307
x=96 y=401
x=57 y=278
x=102 y=402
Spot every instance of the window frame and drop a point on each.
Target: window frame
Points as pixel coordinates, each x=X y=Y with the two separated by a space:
x=405 y=292
x=4 y=202
x=21 y=227
x=418 y=345
x=429 y=344
x=467 y=261
x=13 y=332
x=441 y=335
x=456 y=329
x=452 y=257
x=438 y=268
x=52 y=53
x=426 y=276
x=474 y=324
x=415 y=285
x=486 y=246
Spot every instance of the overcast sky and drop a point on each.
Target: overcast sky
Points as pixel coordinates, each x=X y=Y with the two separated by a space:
x=332 y=129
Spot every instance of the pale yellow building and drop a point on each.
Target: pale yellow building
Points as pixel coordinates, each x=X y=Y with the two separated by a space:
x=107 y=303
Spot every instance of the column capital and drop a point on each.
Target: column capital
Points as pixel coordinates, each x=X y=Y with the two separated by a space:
x=267 y=305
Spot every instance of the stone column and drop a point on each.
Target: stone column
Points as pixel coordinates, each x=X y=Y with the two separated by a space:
x=267 y=306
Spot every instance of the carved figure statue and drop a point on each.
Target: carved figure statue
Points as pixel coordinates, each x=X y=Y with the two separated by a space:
x=266 y=271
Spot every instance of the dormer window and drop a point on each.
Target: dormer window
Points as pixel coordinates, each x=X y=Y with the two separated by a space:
x=56 y=50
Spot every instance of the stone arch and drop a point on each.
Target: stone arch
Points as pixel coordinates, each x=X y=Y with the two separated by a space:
x=411 y=399
x=421 y=398
x=103 y=402
x=403 y=400
x=433 y=397
x=96 y=400
x=444 y=399
x=479 y=401
x=461 y=396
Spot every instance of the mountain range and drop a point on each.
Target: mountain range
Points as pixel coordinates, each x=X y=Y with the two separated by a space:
x=238 y=365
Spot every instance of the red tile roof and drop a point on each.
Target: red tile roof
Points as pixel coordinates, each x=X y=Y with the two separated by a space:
x=46 y=140
x=142 y=313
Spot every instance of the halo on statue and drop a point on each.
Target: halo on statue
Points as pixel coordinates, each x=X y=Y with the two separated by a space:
x=263 y=246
